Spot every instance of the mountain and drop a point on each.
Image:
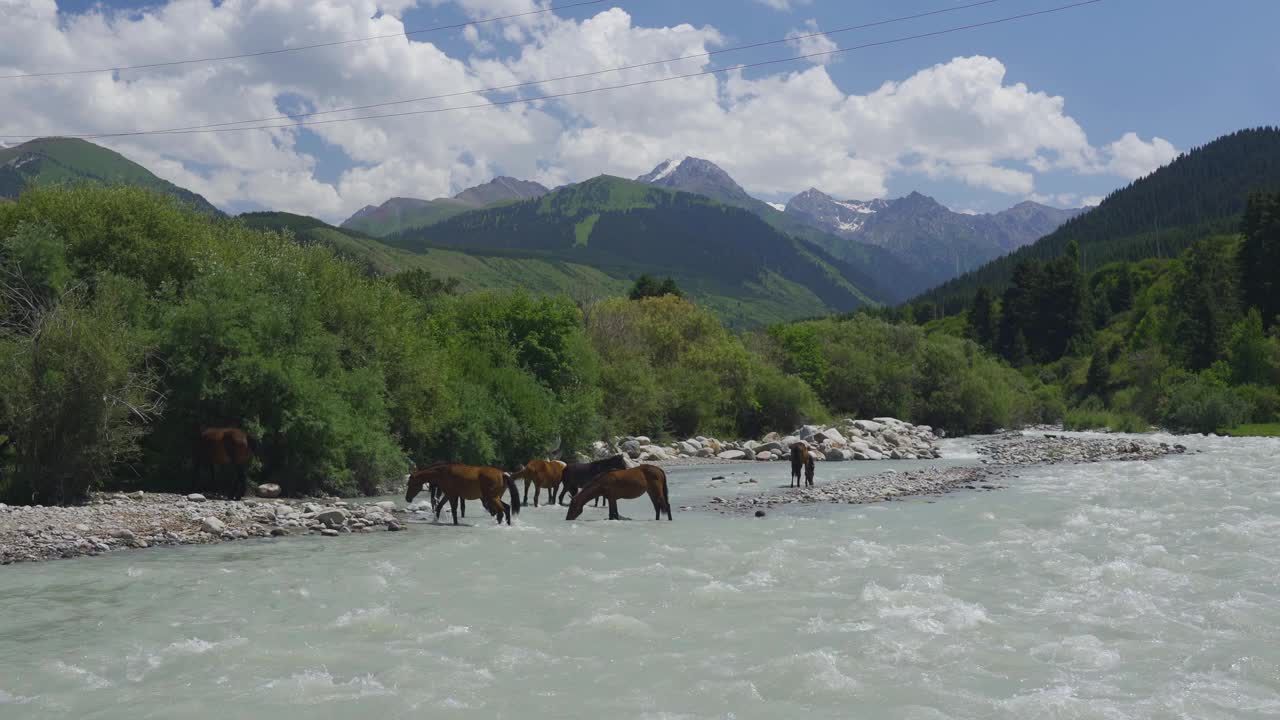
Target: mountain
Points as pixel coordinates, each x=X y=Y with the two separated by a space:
x=1200 y=193
x=500 y=189
x=704 y=177
x=49 y=161
x=400 y=214
x=724 y=256
x=937 y=242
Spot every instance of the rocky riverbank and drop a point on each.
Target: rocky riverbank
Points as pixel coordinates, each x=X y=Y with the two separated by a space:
x=1000 y=455
x=879 y=439
x=139 y=520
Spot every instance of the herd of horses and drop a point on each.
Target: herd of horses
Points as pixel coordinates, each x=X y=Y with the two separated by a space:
x=608 y=480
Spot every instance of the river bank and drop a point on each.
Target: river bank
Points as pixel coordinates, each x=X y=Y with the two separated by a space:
x=117 y=521
x=999 y=457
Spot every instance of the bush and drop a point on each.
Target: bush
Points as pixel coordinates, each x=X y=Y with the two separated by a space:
x=1204 y=405
x=1102 y=420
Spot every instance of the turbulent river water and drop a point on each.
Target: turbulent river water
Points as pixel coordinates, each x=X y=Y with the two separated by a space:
x=1114 y=590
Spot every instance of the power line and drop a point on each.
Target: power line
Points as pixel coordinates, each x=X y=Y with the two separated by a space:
x=576 y=76
x=652 y=81
x=279 y=51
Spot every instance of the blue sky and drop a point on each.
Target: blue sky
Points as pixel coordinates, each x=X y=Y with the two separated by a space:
x=1178 y=71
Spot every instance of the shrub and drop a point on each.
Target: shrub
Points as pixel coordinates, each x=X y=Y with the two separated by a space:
x=1204 y=405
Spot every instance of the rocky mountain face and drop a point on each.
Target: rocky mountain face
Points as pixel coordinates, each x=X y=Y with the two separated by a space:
x=400 y=213
x=936 y=241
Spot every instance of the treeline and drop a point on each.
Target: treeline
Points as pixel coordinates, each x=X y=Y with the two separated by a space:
x=1181 y=343
x=127 y=323
x=1200 y=193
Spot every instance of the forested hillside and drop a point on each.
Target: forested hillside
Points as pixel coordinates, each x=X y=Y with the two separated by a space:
x=1202 y=192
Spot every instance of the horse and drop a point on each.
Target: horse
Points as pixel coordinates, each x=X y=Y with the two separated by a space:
x=624 y=485
x=466 y=482
x=808 y=470
x=577 y=475
x=800 y=459
x=541 y=474
x=224 y=446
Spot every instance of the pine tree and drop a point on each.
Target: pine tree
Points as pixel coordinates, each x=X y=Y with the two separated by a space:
x=1099 y=375
x=982 y=320
x=1259 y=257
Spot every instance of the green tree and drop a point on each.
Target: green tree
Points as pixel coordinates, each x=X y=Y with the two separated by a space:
x=1098 y=379
x=648 y=286
x=1259 y=257
x=1205 y=301
x=1250 y=352
x=982 y=327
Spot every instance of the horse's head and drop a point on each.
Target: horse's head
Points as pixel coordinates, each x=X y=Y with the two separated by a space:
x=575 y=510
x=414 y=486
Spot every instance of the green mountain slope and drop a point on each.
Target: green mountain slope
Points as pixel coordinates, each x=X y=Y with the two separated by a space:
x=474 y=271
x=1201 y=193
x=401 y=214
x=50 y=161
x=725 y=256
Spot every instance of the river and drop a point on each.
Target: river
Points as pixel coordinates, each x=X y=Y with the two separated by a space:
x=1112 y=590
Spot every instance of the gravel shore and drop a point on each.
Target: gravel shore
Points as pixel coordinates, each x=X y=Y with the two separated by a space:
x=139 y=520
x=999 y=457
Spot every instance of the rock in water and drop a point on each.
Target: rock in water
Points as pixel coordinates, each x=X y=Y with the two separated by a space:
x=759 y=513
x=394 y=526
x=195 y=497
x=268 y=490
x=329 y=532
x=212 y=525
x=332 y=518
x=386 y=505
x=732 y=455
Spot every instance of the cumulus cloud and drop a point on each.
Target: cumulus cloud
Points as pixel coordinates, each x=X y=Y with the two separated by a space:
x=783 y=5
x=805 y=41
x=776 y=133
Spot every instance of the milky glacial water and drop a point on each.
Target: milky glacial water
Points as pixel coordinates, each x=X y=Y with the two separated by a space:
x=1118 y=590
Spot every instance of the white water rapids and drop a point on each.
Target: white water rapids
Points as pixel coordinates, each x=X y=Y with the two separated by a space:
x=1111 y=590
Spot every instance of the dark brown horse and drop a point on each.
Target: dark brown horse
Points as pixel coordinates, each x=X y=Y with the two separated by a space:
x=455 y=481
x=800 y=461
x=625 y=484
x=576 y=475
x=224 y=446
x=808 y=470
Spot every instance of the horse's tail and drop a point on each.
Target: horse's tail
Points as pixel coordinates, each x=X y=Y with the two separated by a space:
x=515 y=495
x=666 y=496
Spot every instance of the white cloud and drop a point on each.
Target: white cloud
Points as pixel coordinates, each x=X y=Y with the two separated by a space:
x=783 y=5
x=1131 y=157
x=806 y=42
x=775 y=133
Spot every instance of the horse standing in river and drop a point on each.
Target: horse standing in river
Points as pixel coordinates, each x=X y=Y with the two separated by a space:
x=456 y=481
x=625 y=484
x=801 y=461
x=224 y=446
x=576 y=475
x=542 y=474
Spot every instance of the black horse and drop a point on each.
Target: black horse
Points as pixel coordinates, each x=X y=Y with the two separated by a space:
x=576 y=475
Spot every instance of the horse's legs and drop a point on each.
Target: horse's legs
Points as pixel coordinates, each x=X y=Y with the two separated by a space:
x=526 y=491
x=439 y=506
x=463 y=502
x=613 y=509
x=242 y=482
x=657 y=503
x=453 y=508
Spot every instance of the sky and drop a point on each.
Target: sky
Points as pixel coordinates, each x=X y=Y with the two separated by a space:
x=1060 y=108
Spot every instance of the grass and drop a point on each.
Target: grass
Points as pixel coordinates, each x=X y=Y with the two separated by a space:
x=1253 y=430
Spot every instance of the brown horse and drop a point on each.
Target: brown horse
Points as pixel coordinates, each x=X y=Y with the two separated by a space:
x=808 y=470
x=625 y=484
x=542 y=474
x=224 y=446
x=576 y=475
x=800 y=460
x=455 y=482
